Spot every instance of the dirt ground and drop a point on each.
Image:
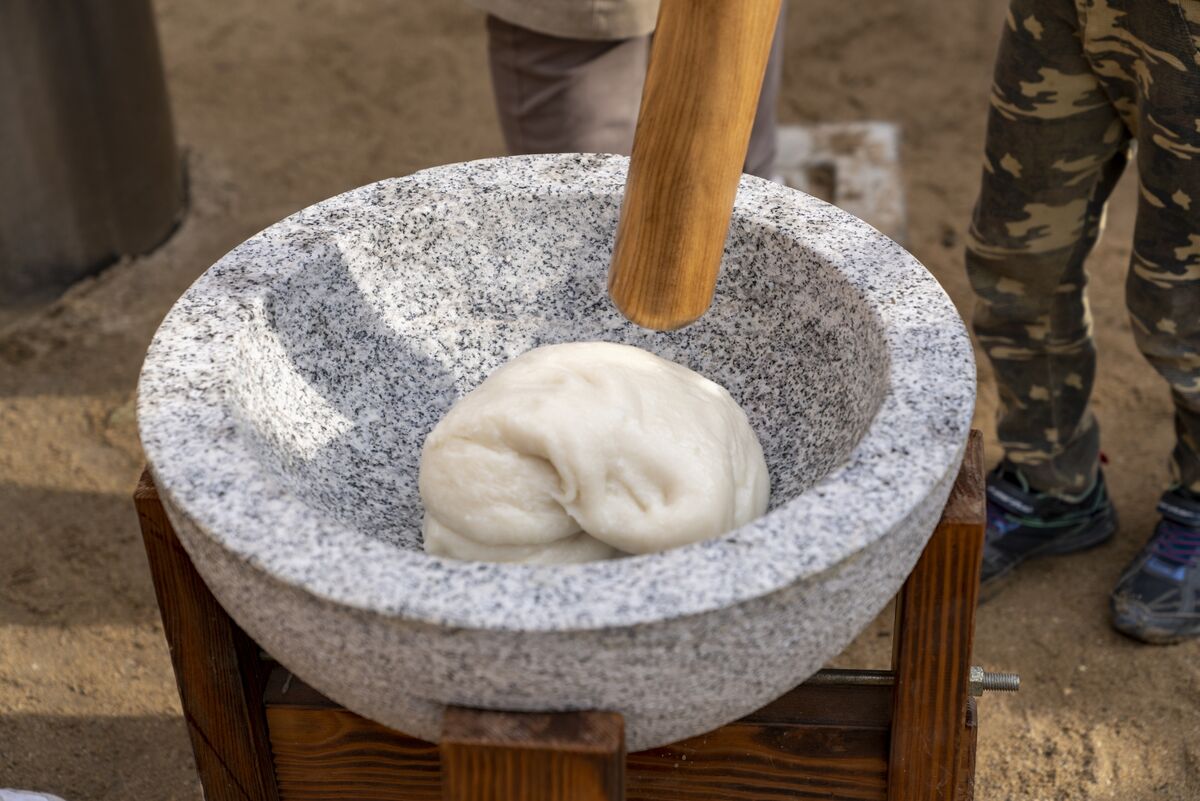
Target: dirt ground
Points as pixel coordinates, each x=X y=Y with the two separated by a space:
x=281 y=103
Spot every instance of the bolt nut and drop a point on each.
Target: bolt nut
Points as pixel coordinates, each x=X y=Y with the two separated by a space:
x=980 y=681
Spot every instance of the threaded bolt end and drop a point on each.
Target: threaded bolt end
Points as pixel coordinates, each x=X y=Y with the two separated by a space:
x=982 y=681
x=1001 y=682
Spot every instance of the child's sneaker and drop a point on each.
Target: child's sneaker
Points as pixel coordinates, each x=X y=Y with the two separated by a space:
x=1023 y=523
x=1157 y=599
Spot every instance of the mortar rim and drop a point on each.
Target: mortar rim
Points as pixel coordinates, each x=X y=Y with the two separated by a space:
x=911 y=304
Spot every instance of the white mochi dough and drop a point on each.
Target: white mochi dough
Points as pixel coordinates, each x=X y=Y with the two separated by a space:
x=584 y=451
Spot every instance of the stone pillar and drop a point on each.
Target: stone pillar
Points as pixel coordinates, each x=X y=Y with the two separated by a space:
x=89 y=170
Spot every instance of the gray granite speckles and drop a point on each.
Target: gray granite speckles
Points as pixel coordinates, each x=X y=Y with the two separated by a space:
x=285 y=398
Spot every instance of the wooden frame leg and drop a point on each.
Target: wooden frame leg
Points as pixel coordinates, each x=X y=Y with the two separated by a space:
x=932 y=746
x=217 y=667
x=502 y=756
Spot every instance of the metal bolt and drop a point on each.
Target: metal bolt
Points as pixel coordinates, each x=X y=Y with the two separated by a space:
x=835 y=677
x=981 y=681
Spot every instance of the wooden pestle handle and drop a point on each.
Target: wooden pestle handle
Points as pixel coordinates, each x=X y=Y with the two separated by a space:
x=706 y=69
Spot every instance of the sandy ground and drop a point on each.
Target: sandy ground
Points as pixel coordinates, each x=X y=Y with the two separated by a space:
x=283 y=102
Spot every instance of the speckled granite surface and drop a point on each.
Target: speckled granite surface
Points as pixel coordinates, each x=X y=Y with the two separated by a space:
x=285 y=398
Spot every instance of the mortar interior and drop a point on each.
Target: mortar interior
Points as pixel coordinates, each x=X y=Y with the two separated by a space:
x=346 y=365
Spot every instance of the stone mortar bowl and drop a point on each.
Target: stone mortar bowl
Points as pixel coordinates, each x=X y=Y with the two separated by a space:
x=285 y=398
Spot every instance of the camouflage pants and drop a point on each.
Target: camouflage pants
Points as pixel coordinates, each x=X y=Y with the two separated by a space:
x=1077 y=83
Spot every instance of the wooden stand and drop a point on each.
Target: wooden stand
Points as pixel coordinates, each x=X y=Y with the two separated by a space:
x=261 y=734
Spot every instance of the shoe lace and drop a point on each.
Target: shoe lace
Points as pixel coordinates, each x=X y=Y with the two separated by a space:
x=1177 y=543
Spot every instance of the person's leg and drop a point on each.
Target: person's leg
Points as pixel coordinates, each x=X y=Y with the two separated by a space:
x=764 y=136
x=1163 y=291
x=1163 y=286
x=1157 y=598
x=1055 y=147
x=557 y=95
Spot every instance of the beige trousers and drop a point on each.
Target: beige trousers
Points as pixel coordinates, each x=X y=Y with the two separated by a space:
x=558 y=95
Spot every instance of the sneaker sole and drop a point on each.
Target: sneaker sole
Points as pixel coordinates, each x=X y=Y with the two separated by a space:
x=1085 y=540
x=1138 y=626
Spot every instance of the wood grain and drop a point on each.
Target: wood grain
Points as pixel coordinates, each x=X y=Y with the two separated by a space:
x=932 y=654
x=325 y=754
x=966 y=766
x=814 y=742
x=217 y=668
x=504 y=756
x=701 y=90
x=759 y=762
x=331 y=754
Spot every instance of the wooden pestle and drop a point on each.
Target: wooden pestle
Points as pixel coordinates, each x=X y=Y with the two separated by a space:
x=706 y=69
